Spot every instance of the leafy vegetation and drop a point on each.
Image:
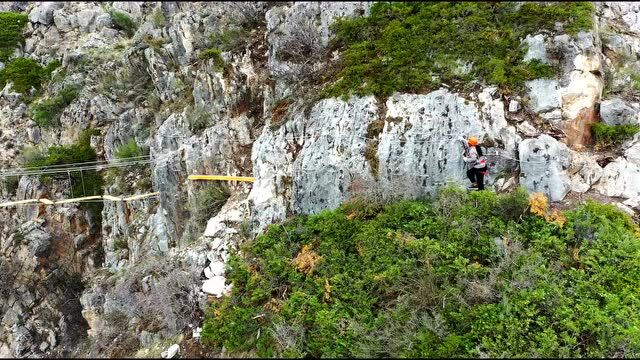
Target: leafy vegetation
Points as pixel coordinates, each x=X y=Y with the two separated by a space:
x=199 y=119
x=130 y=149
x=416 y=46
x=465 y=275
x=208 y=202
x=216 y=55
x=47 y=112
x=11 y=25
x=123 y=22
x=229 y=40
x=85 y=183
x=128 y=179
x=26 y=73
x=158 y=19
x=608 y=135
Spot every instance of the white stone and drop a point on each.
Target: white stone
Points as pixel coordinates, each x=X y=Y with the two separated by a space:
x=43 y=12
x=544 y=95
x=527 y=129
x=214 y=286
x=172 y=351
x=584 y=171
x=626 y=209
x=509 y=183
x=543 y=161
x=536 y=48
x=620 y=178
x=582 y=92
x=514 y=106
x=217 y=268
x=633 y=203
x=617 y=112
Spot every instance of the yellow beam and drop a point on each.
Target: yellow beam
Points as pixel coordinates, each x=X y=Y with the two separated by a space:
x=221 y=177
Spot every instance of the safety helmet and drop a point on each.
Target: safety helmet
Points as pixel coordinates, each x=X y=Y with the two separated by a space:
x=473 y=141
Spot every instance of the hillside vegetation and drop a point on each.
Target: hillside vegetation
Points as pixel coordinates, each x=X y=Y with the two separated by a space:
x=474 y=274
x=417 y=46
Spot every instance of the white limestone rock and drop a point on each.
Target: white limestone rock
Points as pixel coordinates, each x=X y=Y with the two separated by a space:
x=544 y=95
x=617 y=112
x=543 y=161
x=536 y=48
x=215 y=286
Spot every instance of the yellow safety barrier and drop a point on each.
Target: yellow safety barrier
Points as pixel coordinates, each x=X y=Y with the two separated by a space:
x=221 y=177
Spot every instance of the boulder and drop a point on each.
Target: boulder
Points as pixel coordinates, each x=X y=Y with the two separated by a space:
x=527 y=129
x=43 y=13
x=536 y=48
x=544 y=95
x=35 y=136
x=625 y=208
x=39 y=242
x=584 y=172
x=514 y=106
x=170 y=352
x=618 y=112
x=620 y=178
x=215 y=286
x=217 y=268
x=543 y=161
x=633 y=203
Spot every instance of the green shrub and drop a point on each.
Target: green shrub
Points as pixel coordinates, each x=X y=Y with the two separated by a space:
x=85 y=183
x=47 y=112
x=10 y=184
x=461 y=276
x=608 y=135
x=198 y=120
x=229 y=40
x=25 y=73
x=158 y=19
x=208 y=202
x=123 y=22
x=216 y=55
x=130 y=149
x=416 y=46
x=11 y=25
x=155 y=43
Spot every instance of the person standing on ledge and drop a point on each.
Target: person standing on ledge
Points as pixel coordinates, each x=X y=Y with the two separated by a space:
x=476 y=162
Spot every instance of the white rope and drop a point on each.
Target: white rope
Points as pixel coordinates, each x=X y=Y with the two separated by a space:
x=85 y=199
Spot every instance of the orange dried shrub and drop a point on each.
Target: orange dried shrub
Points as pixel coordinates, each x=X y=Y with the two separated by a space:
x=538 y=204
x=306 y=260
x=557 y=217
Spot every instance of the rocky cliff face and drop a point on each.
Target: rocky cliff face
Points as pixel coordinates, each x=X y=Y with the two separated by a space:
x=141 y=272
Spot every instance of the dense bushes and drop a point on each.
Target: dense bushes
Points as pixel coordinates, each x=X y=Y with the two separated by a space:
x=123 y=22
x=130 y=149
x=416 y=46
x=208 y=202
x=85 y=183
x=465 y=275
x=128 y=179
x=11 y=25
x=26 y=73
x=216 y=55
x=607 y=135
x=47 y=112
